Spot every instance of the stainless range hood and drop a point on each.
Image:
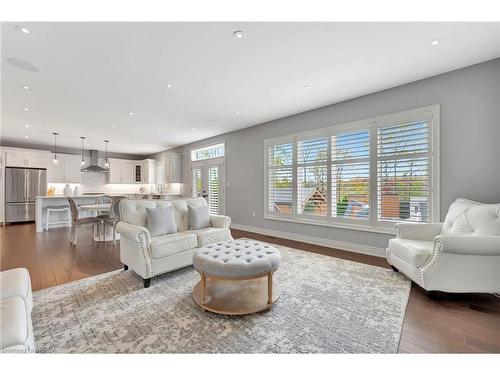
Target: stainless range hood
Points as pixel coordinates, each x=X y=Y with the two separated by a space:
x=94 y=163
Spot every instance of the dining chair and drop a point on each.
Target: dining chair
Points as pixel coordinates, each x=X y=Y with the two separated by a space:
x=77 y=221
x=114 y=215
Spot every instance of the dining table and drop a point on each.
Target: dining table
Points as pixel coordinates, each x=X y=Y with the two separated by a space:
x=107 y=234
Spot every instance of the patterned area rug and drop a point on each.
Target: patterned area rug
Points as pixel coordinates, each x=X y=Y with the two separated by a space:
x=327 y=305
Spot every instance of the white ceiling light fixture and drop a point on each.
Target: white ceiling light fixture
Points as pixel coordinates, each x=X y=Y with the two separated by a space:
x=131 y=113
x=238 y=34
x=436 y=41
x=22 y=29
x=168 y=85
x=26 y=109
x=27 y=88
x=25 y=136
x=193 y=129
x=237 y=112
x=26 y=125
x=306 y=87
x=22 y=64
x=113 y=126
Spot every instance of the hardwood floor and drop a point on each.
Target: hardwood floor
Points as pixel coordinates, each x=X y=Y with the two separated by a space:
x=457 y=323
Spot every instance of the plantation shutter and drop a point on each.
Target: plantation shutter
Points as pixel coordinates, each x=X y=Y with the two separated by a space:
x=196 y=182
x=214 y=189
x=350 y=172
x=280 y=193
x=312 y=172
x=403 y=160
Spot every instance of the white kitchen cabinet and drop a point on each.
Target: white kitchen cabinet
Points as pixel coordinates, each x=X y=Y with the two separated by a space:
x=66 y=170
x=173 y=171
x=121 y=171
x=26 y=159
x=148 y=171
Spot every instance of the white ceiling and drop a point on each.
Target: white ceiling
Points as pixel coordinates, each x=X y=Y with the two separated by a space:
x=92 y=74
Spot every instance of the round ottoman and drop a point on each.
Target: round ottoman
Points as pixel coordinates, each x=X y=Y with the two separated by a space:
x=236 y=277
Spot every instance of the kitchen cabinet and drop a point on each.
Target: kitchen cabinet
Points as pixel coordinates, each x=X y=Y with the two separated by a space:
x=148 y=171
x=26 y=159
x=168 y=170
x=66 y=170
x=121 y=171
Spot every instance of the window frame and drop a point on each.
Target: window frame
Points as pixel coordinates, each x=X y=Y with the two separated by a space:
x=430 y=114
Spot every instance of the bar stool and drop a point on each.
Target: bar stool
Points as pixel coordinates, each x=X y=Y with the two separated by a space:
x=64 y=209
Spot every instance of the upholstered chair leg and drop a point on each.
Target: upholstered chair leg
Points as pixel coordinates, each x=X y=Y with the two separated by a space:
x=125 y=267
x=114 y=233
x=75 y=235
x=394 y=269
x=147 y=282
x=436 y=294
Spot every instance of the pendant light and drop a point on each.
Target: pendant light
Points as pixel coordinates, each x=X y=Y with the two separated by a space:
x=83 y=149
x=106 y=162
x=55 y=147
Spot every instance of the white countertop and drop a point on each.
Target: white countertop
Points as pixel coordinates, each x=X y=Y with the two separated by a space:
x=99 y=195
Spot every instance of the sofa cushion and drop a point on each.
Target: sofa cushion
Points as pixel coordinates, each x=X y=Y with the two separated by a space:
x=16 y=282
x=161 y=221
x=169 y=244
x=211 y=235
x=411 y=251
x=15 y=324
x=199 y=217
x=134 y=211
x=466 y=217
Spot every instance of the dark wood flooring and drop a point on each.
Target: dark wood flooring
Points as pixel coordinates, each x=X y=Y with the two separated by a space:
x=467 y=323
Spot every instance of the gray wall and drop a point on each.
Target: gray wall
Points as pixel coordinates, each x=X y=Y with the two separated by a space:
x=470 y=145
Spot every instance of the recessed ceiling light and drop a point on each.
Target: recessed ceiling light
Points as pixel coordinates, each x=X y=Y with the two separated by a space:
x=193 y=128
x=25 y=136
x=26 y=125
x=26 y=109
x=131 y=113
x=435 y=42
x=149 y=144
x=238 y=34
x=113 y=126
x=168 y=85
x=22 y=29
x=237 y=112
x=21 y=64
x=306 y=87
x=27 y=88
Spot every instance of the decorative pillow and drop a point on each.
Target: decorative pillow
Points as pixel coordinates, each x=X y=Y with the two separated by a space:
x=199 y=217
x=161 y=220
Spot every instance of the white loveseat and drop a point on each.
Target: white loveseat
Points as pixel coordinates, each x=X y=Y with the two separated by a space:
x=460 y=255
x=16 y=303
x=150 y=256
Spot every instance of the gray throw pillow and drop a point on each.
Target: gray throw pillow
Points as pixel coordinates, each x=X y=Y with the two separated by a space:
x=199 y=217
x=161 y=220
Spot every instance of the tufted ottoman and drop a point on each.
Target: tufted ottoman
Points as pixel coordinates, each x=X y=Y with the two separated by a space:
x=236 y=277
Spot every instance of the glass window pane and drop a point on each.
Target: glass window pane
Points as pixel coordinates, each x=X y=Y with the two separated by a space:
x=312 y=190
x=350 y=190
x=210 y=152
x=312 y=151
x=280 y=190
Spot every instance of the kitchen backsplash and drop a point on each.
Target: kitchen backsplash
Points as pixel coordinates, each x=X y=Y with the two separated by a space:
x=94 y=182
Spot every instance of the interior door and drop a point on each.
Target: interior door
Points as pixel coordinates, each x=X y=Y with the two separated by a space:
x=207 y=181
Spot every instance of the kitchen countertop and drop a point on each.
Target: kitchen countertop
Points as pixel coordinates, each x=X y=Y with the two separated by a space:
x=99 y=195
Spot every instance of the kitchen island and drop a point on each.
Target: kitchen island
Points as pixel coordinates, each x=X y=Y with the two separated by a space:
x=43 y=201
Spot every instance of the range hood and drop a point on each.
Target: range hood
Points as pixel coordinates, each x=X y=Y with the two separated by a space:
x=94 y=163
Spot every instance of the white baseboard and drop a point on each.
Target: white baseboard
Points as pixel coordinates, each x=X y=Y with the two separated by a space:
x=341 y=245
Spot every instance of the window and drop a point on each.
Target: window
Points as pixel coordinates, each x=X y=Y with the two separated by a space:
x=364 y=175
x=210 y=152
x=280 y=179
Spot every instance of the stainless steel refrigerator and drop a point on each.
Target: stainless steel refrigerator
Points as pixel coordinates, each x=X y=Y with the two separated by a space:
x=22 y=185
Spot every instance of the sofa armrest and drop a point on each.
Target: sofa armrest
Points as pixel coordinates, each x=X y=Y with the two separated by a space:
x=469 y=245
x=220 y=221
x=419 y=232
x=133 y=232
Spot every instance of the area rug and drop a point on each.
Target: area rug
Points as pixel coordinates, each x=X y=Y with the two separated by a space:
x=327 y=305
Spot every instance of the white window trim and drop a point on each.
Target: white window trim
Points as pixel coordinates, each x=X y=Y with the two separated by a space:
x=206 y=162
x=430 y=113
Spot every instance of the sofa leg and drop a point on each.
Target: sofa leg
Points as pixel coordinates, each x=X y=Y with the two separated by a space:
x=394 y=268
x=125 y=267
x=147 y=282
x=435 y=294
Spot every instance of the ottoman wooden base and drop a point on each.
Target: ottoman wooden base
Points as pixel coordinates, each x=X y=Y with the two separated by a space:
x=236 y=296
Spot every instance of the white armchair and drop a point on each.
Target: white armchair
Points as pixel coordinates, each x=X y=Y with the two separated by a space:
x=460 y=255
